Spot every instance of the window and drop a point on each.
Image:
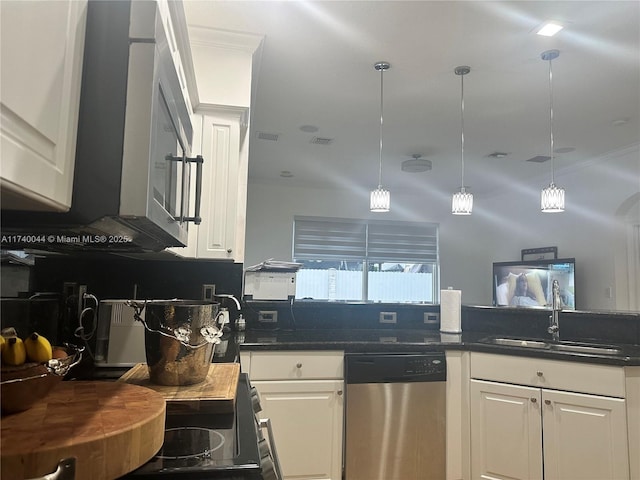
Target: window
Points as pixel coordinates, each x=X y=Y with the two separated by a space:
x=366 y=260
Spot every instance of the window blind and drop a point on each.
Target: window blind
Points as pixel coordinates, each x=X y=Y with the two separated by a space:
x=324 y=238
x=317 y=238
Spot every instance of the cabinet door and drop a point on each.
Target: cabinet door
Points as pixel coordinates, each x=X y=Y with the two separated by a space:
x=221 y=234
x=506 y=436
x=307 y=426
x=42 y=48
x=585 y=437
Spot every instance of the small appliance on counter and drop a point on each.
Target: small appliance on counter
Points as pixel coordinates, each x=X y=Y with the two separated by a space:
x=119 y=337
x=268 y=285
x=271 y=280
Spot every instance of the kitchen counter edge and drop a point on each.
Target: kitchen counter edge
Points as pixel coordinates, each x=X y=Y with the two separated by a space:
x=355 y=341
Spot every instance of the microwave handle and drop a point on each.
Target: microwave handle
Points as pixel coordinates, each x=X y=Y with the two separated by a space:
x=198 y=160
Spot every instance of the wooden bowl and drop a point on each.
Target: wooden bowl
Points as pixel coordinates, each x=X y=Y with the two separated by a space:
x=23 y=386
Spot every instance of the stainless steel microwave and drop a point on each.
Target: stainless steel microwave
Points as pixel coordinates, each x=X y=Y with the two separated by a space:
x=133 y=168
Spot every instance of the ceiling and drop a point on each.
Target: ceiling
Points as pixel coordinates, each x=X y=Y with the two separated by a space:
x=317 y=70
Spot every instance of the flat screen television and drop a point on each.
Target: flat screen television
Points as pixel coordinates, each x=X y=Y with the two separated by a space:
x=528 y=283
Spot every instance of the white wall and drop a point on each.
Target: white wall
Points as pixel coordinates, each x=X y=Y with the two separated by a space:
x=501 y=225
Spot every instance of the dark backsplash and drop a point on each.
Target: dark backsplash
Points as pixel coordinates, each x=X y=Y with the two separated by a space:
x=531 y=323
x=114 y=277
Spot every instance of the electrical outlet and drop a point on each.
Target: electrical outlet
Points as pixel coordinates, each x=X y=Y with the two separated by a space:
x=388 y=317
x=82 y=290
x=431 y=318
x=69 y=289
x=268 y=316
x=388 y=339
x=208 y=292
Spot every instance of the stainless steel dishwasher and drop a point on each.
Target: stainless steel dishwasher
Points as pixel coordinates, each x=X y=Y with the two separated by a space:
x=395 y=416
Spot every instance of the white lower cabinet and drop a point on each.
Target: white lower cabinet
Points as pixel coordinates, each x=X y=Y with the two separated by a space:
x=506 y=431
x=532 y=432
x=302 y=394
x=585 y=436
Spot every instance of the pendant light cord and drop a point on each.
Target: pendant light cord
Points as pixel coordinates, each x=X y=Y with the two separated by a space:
x=381 y=123
x=551 y=119
x=462 y=129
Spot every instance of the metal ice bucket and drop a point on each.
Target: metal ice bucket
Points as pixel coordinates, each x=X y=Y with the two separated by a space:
x=180 y=339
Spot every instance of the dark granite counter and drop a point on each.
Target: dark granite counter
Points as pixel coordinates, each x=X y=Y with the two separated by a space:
x=383 y=341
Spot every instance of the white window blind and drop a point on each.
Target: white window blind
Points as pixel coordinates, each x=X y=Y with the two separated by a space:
x=317 y=238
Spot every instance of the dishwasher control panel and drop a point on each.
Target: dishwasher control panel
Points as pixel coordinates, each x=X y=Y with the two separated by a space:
x=420 y=365
x=395 y=367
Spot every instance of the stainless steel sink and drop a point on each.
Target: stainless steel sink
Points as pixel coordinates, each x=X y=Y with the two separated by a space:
x=582 y=348
x=574 y=347
x=515 y=342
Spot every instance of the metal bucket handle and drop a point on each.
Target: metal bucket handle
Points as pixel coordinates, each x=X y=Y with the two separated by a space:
x=181 y=334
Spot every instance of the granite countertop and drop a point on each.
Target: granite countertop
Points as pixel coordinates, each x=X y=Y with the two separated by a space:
x=404 y=340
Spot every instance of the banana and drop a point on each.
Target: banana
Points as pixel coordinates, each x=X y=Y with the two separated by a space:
x=2 y=342
x=14 y=352
x=38 y=348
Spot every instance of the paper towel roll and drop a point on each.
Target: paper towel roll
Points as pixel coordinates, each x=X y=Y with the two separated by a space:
x=450 y=317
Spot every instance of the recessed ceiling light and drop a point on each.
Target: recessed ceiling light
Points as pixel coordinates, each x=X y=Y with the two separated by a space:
x=619 y=122
x=549 y=29
x=321 y=141
x=286 y=174
x=268 y=136
x=309 y=128
x=539 y=159
x=497 y=155
x=564 y=149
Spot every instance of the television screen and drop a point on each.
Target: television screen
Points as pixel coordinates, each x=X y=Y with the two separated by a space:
x=528 y=283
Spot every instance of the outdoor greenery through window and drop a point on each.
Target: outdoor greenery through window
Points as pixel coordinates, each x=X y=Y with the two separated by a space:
x=366 y=260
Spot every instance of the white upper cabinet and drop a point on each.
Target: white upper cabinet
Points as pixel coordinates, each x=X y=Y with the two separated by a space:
x=220 y=137
x=222 y=71
x=42 y=49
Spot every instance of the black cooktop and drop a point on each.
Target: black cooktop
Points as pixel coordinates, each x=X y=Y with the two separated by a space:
x=208 y=446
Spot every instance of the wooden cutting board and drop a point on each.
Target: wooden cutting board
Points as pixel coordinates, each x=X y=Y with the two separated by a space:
x=111 y=428
x=216 y=394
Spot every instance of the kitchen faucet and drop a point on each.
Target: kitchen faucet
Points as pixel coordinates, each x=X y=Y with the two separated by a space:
x=225 y=311
x=226 y=295
x=554 y=323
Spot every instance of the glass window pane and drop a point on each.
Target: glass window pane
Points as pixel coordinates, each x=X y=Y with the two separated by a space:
x=329 y=280
x=401 y=260
x=400 y=282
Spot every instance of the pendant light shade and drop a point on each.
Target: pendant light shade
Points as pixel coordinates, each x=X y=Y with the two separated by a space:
x=552 y=197
x=380 y=197
x=462 y=202
x=380 y=200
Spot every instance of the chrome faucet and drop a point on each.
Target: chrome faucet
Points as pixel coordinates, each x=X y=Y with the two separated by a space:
x=226 y=295
x=554 y=322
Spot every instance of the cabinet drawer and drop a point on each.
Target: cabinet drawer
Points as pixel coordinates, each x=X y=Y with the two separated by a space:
x=555 y=374
x=302 y=365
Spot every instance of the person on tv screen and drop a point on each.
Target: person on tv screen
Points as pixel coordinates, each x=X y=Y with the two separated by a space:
x=522 y=296
x=502 y=292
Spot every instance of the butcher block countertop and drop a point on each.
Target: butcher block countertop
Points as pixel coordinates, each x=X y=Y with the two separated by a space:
x=111 y=428
x=216 y=394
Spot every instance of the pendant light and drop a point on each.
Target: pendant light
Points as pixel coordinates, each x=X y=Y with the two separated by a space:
x=552 y=197
x=380 y=198
x=462 y=202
